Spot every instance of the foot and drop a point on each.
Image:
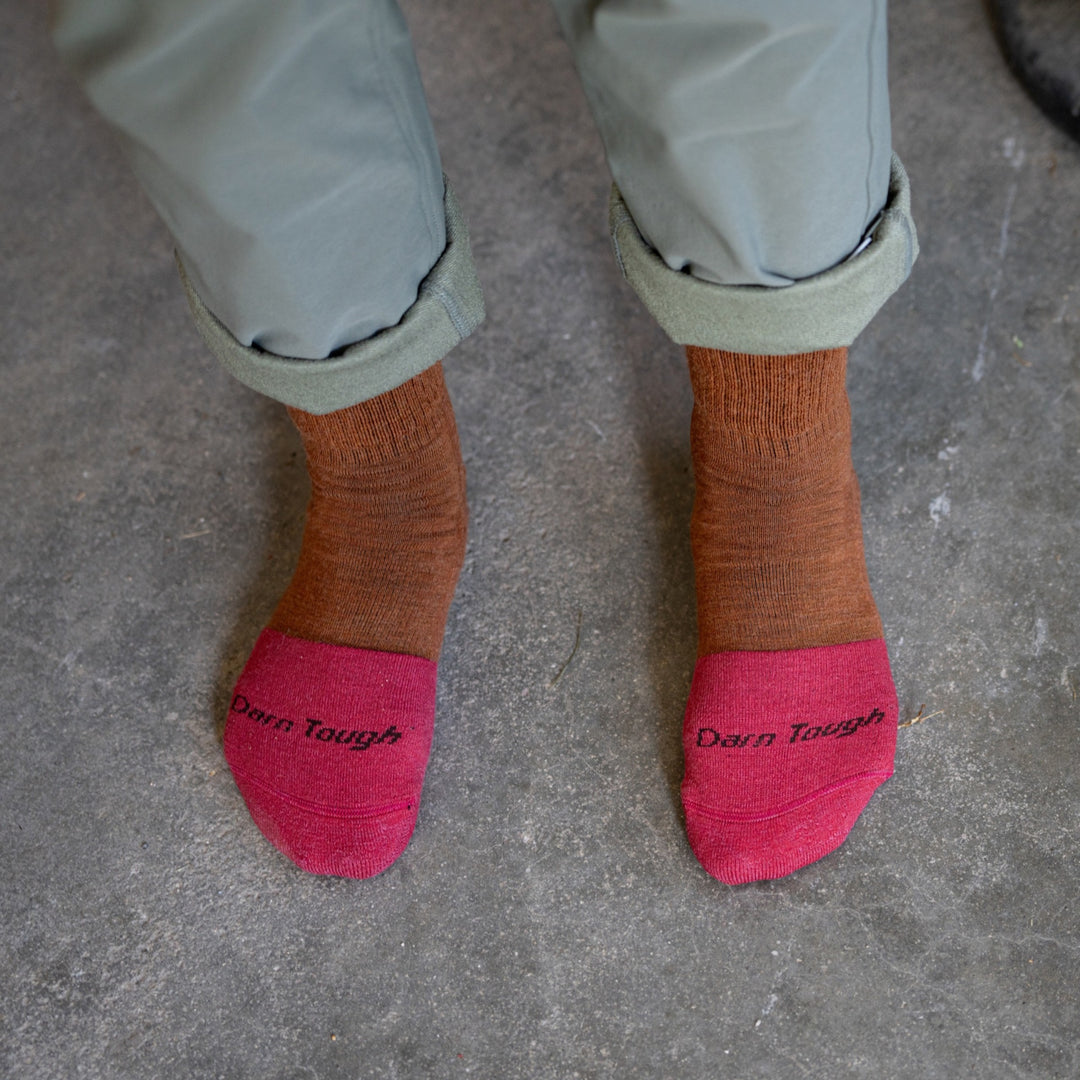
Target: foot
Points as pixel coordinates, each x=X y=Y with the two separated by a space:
x=330 y=725
x=791 y=722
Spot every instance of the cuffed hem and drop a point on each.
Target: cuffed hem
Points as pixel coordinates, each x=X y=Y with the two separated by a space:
x=449 y=307
x=826 y=311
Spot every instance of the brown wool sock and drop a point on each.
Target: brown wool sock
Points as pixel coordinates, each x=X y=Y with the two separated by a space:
x=791 y=722
x=776 y=529
x=384 y=539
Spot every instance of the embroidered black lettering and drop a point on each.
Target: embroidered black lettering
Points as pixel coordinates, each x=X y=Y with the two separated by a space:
x=709 y=737
x=325 y=734
x=364 y=739
x=795 y=729
x=851 y=726
x=390 y=735
x=812 y=734
x=875 y=717
x=311 y=726
x=283 y=724
x=237 y=707
x=348 y=738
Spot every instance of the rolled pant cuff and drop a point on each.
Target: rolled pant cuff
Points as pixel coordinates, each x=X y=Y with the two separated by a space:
x=826 y=311
x=449 y=307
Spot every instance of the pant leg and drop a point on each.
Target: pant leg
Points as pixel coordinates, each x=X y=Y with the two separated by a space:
x=287 y=145
x=750 y=145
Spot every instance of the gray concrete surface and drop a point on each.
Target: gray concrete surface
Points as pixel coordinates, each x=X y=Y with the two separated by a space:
x=548 y=920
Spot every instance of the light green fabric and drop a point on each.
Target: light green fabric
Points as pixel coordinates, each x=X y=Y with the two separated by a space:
x=826 y=311
x=288 y=148
x=749 y=139
x=450 y=306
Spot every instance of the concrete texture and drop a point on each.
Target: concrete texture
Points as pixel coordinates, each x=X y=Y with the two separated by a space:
x=548 y=920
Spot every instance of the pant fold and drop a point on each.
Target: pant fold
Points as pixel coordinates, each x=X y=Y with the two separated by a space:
x=826 y=311
x=450 y=306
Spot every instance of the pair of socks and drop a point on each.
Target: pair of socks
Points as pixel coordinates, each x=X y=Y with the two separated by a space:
x=791 y=721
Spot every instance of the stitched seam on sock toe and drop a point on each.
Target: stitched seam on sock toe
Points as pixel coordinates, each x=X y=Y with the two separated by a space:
x=736 y=817
x=319 y=808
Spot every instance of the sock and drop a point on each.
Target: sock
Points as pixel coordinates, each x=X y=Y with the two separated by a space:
x=330 y=725
x=791 y=722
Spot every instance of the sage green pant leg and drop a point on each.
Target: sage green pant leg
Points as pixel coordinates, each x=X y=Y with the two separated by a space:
x=750 y=145
x=287 y=145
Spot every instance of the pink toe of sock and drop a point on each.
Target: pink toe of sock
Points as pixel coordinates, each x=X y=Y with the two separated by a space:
x=328 y=746
x=329 y=840
x=783 y=751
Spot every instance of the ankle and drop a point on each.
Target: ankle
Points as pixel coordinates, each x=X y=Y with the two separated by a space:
x=403 y=421
x=385 y=535
x=776 y=530
x=768 y=404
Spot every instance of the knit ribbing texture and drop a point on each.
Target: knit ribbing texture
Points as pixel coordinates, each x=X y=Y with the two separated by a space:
x=791 y=722
x=384 y=538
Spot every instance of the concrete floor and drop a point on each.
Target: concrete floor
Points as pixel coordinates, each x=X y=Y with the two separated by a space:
x=548 y=919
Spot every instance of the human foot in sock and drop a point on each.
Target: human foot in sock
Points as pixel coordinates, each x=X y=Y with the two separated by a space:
x=791 y=722
x=330 y=725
